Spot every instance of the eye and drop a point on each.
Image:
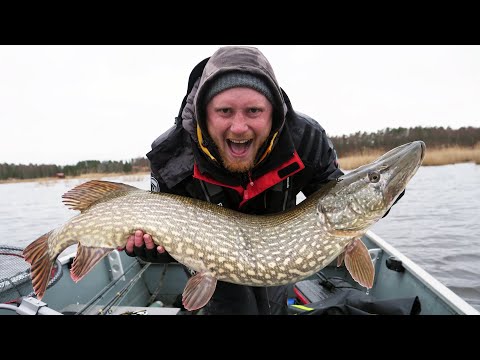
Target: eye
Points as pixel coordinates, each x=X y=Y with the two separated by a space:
x=374 y=176
x=254 y=110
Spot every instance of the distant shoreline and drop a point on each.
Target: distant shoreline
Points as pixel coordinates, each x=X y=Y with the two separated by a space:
x=433 y=157
x=89 y=176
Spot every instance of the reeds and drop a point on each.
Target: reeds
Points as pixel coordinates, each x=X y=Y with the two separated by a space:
x=435 y=156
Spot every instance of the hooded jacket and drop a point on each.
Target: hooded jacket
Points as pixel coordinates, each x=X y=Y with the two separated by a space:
x=297 y=156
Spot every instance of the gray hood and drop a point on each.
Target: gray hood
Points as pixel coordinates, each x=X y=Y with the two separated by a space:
x=231 y=58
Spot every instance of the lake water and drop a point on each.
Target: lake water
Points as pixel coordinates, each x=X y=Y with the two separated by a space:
x=436 y=224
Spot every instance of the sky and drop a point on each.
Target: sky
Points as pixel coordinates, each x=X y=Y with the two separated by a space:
x=60 y=104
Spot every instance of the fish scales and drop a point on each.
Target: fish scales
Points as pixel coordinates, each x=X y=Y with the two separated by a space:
x=227 y=243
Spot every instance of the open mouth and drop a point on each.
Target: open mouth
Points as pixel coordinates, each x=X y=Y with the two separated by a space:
x=239 y=147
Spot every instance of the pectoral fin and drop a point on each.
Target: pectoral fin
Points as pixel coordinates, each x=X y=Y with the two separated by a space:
x=87 y=257
x=359 y=263
x=198 y=291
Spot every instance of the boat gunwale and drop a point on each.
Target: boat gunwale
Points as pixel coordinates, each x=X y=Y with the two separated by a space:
x=439 y=289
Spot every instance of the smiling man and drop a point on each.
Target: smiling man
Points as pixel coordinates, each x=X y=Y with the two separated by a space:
x=239 y=120
x=238 y=142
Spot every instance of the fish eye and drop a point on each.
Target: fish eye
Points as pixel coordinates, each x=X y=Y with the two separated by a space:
x=374 y=176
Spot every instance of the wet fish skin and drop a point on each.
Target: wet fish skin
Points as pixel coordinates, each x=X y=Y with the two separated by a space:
x=224 y=244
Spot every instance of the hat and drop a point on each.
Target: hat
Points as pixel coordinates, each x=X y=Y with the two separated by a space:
x=237 y=79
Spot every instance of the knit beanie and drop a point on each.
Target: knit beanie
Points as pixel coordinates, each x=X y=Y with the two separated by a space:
x=237 y=79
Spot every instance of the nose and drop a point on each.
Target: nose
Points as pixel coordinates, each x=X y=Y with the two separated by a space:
x=239 y=124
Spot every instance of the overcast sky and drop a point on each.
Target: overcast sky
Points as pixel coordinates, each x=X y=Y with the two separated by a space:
x=63 y=104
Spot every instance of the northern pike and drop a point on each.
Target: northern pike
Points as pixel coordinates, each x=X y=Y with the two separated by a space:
x=227 y=245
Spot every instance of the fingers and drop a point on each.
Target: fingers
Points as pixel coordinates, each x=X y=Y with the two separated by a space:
x=151 y=245
x=138 y=238
x=141 y=244
x=148 y=241
x=130 y=243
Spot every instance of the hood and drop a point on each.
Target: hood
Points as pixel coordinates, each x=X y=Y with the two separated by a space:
x=226 y=59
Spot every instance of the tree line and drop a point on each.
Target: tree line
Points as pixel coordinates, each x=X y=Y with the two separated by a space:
x=358 y=143
x=386 y=139
x=33 y=171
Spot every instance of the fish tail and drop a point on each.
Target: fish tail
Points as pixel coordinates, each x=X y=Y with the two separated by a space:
x=37 y=255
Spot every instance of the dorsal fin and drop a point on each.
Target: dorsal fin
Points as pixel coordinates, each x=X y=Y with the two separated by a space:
x=85 y=195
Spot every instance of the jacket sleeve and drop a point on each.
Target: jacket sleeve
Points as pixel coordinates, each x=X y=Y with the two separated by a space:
x=326 y=167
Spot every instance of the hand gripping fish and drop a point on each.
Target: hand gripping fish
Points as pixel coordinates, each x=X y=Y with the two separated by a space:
x=227 y=245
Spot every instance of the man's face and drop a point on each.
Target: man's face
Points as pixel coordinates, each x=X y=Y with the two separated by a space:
x=239 y=121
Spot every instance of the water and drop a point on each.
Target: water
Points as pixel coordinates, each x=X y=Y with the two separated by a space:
x=436 y=224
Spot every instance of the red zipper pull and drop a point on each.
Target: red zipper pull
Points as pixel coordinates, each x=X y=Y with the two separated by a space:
x=250 y=178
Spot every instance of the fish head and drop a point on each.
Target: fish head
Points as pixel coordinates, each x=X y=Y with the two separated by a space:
x=360 y=198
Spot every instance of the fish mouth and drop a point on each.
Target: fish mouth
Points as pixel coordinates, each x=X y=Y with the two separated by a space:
x=400 y=166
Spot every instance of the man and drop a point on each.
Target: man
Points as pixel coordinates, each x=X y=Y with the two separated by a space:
x=238 y=142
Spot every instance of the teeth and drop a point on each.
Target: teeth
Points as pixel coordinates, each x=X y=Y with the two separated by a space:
x=239 y=141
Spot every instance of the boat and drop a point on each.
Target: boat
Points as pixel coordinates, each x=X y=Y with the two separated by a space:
x=123 y=285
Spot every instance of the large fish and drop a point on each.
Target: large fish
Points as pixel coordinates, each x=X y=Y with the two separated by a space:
x=223 y=244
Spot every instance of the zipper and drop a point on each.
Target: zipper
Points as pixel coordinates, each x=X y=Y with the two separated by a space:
x=250 y=178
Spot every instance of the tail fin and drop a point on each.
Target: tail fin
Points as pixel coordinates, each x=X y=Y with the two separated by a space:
x=36 y=254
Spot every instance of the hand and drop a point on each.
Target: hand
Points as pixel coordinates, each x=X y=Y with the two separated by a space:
x=142 y=245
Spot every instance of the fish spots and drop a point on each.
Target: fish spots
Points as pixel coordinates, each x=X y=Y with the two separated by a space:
x=298 y=261
x=255 y=281
x=298 y=272
x=179 y=247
